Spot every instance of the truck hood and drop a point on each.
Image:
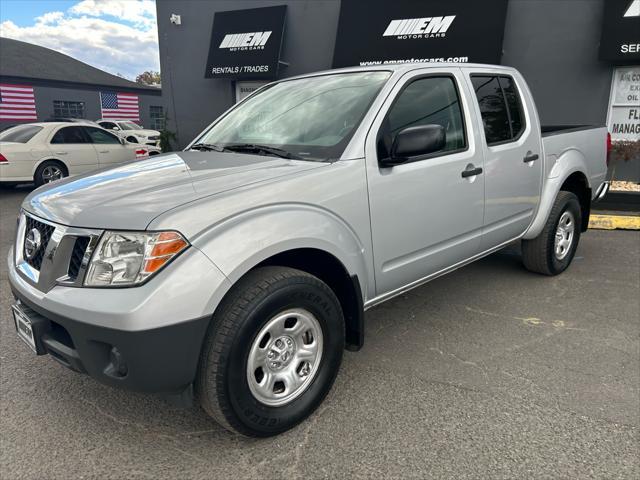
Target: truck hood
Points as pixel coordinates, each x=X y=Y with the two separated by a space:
x=130 y=196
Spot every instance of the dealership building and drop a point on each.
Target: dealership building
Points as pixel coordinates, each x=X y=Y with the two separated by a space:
x=38 y=84
x=580 y=57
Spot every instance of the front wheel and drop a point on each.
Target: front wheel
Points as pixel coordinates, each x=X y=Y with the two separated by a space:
x=551 y=252
x=272 y=352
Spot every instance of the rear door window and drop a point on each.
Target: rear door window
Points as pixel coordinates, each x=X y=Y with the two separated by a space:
x=500 y=108
x=19 y=133
x=515 y=105
x=98 y=135
x=70 y=135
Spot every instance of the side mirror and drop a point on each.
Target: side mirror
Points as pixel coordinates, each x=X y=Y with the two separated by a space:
x=122 y=141
x=414 y=141
x=116 y=129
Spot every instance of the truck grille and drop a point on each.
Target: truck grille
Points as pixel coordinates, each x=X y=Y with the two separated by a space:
x=77 y=255
x=44 y=231
x=65 y=248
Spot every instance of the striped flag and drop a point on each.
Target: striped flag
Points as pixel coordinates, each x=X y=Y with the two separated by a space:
x=120 y=106
x=17 y=103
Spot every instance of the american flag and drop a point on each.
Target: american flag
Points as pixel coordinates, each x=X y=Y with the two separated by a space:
x=120 y=106
x=17 y=103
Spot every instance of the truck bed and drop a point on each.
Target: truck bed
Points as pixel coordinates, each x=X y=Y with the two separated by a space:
x=548 y=130
x=586 y=141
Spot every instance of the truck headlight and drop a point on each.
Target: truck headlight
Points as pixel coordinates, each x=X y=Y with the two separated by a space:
x=129 y=258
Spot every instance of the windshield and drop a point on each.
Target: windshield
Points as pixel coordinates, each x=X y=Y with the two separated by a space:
x=311 y=118
x=19 y=133
x=129 y=126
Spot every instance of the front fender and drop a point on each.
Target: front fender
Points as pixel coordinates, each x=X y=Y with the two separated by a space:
x=239 y=243
x=569 y=162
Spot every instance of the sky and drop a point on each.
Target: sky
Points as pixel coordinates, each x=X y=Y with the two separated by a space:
x=118 y=36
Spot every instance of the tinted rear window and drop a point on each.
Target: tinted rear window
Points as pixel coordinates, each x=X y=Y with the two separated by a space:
x=515 y=106
x=19 y=133
x=500 y=107
x=70 y=135
x=492 y=108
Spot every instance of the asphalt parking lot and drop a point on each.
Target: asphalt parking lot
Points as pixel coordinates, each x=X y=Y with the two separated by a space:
x=489 y=372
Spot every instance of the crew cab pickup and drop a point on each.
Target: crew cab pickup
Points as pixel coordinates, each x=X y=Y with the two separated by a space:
x=236 y=272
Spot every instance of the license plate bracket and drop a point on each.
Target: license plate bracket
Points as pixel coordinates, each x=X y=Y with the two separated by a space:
x=28 y=328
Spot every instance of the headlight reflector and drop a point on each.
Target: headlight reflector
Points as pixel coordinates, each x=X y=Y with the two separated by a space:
x=129 y=258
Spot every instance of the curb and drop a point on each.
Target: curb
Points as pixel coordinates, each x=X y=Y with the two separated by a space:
x=614 y=222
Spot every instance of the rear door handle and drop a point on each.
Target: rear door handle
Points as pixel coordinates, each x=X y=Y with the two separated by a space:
x=472 y=172
x=60 y=153
x=530 y=157
x=103 y=151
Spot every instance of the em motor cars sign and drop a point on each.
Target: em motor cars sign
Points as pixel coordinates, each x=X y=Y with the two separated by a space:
x=403 y=31
x=245 y=44
x=620 y=42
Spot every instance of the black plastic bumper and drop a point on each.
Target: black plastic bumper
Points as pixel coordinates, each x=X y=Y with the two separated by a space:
x=161 y=360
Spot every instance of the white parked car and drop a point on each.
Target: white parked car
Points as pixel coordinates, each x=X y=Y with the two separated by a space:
x=44 y=152
x=131 y=131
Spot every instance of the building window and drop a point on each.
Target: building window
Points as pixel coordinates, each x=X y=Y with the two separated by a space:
x=65 y=109
x=156 y=114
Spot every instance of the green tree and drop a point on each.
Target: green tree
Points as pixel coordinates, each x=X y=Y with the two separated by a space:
x=148 y=78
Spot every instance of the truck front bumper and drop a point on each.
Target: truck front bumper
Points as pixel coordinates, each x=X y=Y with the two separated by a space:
x=74 y=326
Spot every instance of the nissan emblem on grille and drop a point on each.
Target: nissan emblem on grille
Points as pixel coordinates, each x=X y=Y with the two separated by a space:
x=32 y=243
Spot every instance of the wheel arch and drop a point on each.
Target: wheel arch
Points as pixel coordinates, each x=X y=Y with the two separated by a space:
x=332 y=272
x=568 y=173
x=578 y=184
x=37 y=164
x=307 y=238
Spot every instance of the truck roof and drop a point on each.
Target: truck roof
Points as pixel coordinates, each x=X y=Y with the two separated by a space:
x=403 y=67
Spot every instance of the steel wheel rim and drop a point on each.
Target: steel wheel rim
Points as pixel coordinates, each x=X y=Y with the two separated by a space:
x=51 y=173
x=284 y=357
x=564 y=235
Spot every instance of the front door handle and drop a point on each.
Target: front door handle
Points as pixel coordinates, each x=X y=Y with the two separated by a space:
x=472 y=172
x=530 y=157
x=103 y=151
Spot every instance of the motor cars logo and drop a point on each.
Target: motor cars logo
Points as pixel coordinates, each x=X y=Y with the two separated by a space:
x=32 y=243
x=426 y=27
x=245 y=41
x=633 y=10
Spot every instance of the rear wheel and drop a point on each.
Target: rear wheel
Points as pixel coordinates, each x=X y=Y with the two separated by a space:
x=551 y=252
x=272 y=352
x=48 y=172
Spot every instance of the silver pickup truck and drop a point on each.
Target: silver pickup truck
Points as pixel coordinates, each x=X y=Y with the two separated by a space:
x=236 y=272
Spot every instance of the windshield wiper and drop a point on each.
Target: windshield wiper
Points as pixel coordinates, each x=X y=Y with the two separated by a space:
x=264 y=149
x=208 y=147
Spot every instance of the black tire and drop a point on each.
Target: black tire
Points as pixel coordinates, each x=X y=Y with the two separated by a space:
x=39 y=178
x=132 y=139
x=538 y=255
x=222 y=386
